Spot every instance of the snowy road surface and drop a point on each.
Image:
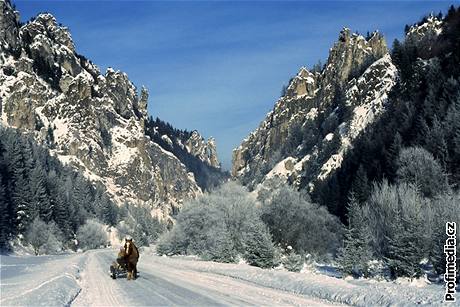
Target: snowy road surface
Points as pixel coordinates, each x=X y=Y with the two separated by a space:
x=82 y=279
x=161 y=284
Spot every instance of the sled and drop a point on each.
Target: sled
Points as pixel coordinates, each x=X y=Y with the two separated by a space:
x=119 y=271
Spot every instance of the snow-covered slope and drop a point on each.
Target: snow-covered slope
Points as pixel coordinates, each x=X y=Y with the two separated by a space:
x=90 y=120
x=315 y=123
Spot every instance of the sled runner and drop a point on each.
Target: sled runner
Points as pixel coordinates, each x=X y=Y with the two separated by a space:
x=119 y=270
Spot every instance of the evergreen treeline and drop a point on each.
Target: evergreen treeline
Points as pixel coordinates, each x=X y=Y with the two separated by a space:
x=36 y=187
x=423 y=110
x=402 y=177
x=206 y=176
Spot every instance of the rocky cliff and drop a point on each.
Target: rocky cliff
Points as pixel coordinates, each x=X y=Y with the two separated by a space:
x=90 y=120
x=205 y=151
x=304 y=138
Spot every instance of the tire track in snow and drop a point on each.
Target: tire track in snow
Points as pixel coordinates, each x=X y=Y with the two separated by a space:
x=164 y=285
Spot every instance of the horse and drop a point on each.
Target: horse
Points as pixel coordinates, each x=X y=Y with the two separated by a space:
x=132 y=257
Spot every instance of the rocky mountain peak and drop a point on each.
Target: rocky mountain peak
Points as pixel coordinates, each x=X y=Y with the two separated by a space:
x=312 y=126
x=431 y=26
x=45 y=24
x=9 y=25
x=91 y=121
x=304 y=83
x=205 y=151
x=350 y=53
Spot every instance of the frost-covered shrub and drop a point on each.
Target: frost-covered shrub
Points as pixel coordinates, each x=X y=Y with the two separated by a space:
x=54 y=242
x=44 y=238
x=295 y=221
x=138 y=223
x=217 y=226
x=172 y=242
x=37 y=234
x=91 y=235
x=444 y=208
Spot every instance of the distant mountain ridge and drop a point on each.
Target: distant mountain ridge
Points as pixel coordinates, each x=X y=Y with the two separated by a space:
x=92 y=121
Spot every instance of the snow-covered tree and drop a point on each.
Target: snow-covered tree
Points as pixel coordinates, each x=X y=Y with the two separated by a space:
x=54 y=242
x=220 y=246
x=37 y=234
x=91 y=235
x=400 y=231
x=259 y=248
x=219 y=226
x=295 y=221
x=356 y=253
x=404 y=248
x=40 y=202
x=4 y=219
x=293 y=262
x=417 y=166
x=446 y=207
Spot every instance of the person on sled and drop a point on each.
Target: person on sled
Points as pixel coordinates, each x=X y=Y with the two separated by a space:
x=121 y=259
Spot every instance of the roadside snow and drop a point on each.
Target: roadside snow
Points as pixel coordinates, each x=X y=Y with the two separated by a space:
x=41 y=280
x=333 y=290
x=82 y=280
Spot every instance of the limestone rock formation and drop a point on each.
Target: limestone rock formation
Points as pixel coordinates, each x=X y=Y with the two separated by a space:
x=92 y=121
x=303 y=139
x=205 y=151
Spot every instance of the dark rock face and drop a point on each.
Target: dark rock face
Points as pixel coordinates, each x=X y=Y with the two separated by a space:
x=92 y=121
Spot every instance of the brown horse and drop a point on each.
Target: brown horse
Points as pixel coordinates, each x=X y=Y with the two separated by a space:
x=132 y=257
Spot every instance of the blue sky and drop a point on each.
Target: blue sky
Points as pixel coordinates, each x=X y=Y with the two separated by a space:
x=219 y=66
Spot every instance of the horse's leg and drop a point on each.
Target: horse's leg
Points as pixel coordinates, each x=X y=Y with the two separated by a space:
x=130 y=271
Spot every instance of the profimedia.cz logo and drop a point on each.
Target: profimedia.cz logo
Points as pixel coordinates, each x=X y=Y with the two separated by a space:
x=450 y=249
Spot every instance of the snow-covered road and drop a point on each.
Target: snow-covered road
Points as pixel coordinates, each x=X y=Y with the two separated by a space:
x=82 y=279
x=163 y=284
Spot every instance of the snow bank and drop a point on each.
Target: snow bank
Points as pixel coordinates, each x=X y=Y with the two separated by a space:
x=351 y=292
x=41 y=280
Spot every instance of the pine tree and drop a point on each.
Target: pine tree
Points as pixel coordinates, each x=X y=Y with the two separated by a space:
x=437 y=257
x=436 y=143
x=61 y=212
x=293 y=262
x=354 y=257
x=259 y=248
x=21 y=199
x=450 y=94
x=360 y=186
x=391 y=156
x=108 y=211
x=40 y=202
x=4 y=219
x=405 y=249
x=220 y=246
x=17 y=185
